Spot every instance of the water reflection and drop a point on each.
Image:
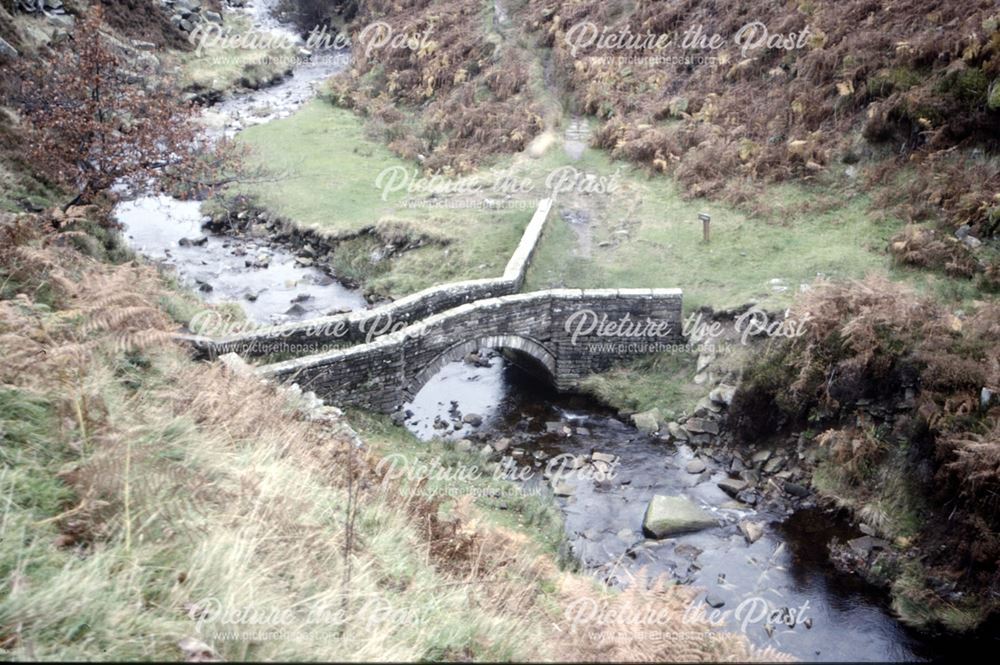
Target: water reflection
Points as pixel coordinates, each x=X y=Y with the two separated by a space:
x=837 y=617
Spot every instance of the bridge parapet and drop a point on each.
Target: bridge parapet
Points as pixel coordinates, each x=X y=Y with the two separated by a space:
x=570 y=332
x=366 y=325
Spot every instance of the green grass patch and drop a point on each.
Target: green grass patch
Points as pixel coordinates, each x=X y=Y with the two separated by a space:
x=646 y=234
x=219 y=69
x=663 y=381
x=464 y=473
x=328 y=172
x=641 y=234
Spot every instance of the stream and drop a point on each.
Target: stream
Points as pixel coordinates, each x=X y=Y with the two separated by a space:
x=836 y=617
x=827 y=615
x=265 y=278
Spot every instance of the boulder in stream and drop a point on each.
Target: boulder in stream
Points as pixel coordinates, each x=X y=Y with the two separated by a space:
x=701 y=425
x=752 y=531
x=695 y=466
x=502 y=444
x=563 y=488
x=677 y=431
x=647 y=422
x=671 y=515
x=714 y=600
x=193 y=242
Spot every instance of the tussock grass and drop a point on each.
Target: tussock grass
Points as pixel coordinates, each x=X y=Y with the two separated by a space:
x=159 y=509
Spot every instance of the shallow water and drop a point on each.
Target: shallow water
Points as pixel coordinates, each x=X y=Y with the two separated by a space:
x=283 y=291
x=218 y=268
x=786 y=568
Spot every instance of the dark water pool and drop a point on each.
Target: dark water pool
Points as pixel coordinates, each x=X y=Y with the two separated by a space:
x=824 y=615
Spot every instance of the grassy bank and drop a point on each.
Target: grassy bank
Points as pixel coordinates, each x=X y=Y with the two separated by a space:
x=889 y=387
x=153 y=497
x=646 y=234
x=466 y=472
x=217 y=68
x=637 y=230
x=643 y=233
x=328 y=174
x=160 y=508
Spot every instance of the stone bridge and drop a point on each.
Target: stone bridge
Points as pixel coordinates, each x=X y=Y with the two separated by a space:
x=568 y=333
x=380 y=358
x=302 y=337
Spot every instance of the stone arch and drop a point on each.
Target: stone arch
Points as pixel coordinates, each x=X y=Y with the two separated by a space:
x=458 y=351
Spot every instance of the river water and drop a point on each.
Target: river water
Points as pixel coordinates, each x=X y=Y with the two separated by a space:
x=266 y=279
x=786 y=573
x=835 y=616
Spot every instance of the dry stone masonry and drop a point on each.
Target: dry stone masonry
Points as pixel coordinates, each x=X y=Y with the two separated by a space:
x=382 y=357
x=544 y=325
x=365 y=325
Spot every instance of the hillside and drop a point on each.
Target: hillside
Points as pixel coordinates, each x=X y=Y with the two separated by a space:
x=841 y=170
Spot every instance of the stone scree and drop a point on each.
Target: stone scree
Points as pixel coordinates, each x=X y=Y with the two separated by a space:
x=367 y=325
x=383 y=374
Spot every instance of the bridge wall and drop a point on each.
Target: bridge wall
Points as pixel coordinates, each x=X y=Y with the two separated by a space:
x=388 y=371
x=367 y=325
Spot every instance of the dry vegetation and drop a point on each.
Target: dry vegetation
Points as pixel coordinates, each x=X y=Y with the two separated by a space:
x=895 y=383
x=903 y=80
x=467 y=85
x=145 y=492
x=905 y=94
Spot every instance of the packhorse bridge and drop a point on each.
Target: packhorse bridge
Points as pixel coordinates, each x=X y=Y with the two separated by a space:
x=393 y=350
x=570 y=333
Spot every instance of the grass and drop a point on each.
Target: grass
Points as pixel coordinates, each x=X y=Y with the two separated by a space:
x=329 y=172
x=19 y=188
x=19 y=191
x=142 y=489
x=157 y=508
x=219 y=69
x=533 y=513
x=917 y=605
x=647 y=234
x=642 y=234
x=194 y=509
x=662 y=381
x=889 y=500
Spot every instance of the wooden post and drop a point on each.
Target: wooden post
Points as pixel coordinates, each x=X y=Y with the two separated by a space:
x=706 y=219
